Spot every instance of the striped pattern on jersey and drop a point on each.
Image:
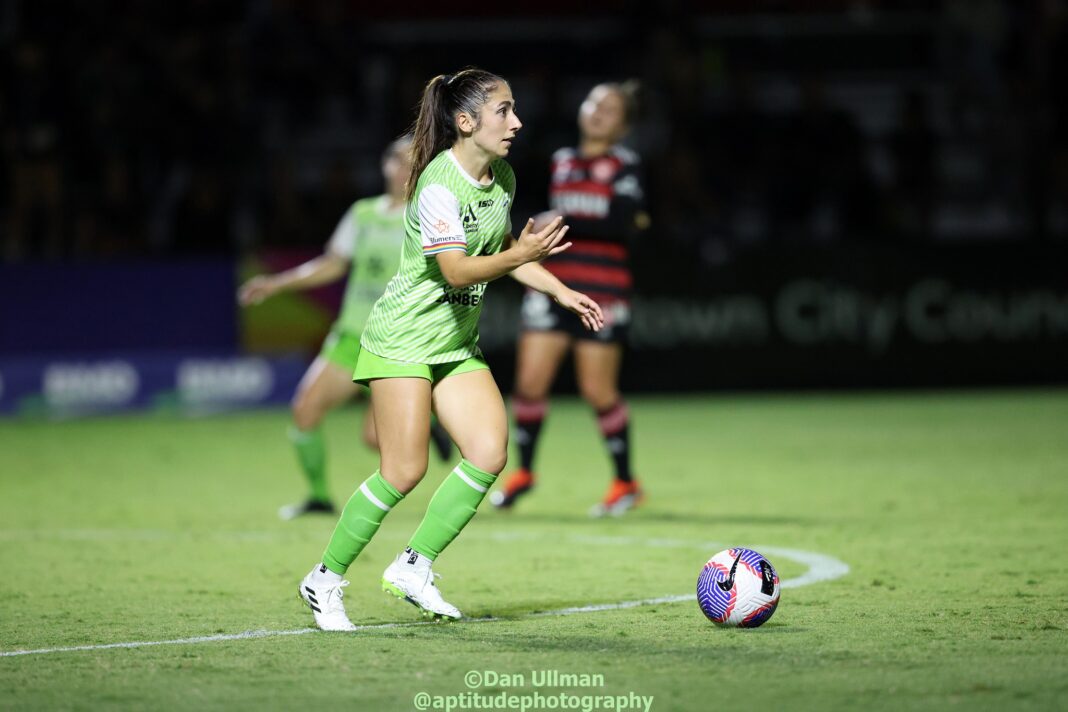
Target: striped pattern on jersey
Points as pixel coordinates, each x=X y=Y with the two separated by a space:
x=376 y=251
x=420 y=318
x=599 y=197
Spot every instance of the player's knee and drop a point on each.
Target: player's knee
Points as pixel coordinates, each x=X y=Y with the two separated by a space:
x=533 y=395
x=306 y=413
x=404 y=475
x=599 y=396
x=530 y=387
x=489 y=454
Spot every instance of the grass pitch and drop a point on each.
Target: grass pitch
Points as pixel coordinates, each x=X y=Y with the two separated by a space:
x=949 y=509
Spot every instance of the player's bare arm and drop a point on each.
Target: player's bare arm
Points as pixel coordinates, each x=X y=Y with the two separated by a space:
x=324 y=269
x=536 y=277
x=462 y=270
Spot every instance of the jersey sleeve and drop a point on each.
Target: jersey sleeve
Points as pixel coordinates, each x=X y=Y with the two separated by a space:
x=439 y=221
x=343 y=241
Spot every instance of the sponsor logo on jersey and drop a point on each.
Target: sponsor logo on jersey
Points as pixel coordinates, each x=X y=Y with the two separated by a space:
x=467 y=296
x=581 y=204
x=439 y=240
x=441 y=226
x=469 y=217
x=603 y=171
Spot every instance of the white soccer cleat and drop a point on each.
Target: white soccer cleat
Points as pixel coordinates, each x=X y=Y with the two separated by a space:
x=325 y=601
x=311 y=506
x=411 y=579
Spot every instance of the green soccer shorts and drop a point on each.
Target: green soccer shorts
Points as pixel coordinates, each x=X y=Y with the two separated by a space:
x=342 y=348
x=372 y=366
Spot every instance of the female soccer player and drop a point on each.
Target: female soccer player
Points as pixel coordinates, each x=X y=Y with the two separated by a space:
x=369 y=239
x=597 y=187
x=420 y=347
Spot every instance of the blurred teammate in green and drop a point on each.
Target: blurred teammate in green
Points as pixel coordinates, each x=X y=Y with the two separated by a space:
x=367 y=246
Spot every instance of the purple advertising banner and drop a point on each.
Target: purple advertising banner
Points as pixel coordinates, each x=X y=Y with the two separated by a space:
x=183 y=383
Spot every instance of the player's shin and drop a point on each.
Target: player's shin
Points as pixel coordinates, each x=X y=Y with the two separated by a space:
x=359 y=521
x=529 y=416
x=451 y=508
x=614 y=424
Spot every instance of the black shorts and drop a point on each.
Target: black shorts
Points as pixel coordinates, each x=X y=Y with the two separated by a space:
x=541 y=313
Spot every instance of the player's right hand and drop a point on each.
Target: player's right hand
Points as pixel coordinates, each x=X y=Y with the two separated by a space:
x=255 y=290
x=537 y=245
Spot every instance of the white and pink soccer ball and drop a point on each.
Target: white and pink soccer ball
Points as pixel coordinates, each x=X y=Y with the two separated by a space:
x=738 y=588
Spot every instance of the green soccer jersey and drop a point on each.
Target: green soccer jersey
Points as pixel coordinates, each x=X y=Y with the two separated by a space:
x=420 y=318
x=371 y=235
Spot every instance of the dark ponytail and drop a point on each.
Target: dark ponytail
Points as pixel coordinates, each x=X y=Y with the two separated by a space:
x=445 y=96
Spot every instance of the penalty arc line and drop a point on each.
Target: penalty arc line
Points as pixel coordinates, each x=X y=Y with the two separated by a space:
x=820 y=568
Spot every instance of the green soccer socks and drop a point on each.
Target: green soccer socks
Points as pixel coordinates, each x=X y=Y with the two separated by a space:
x=451 y=508
x=365 y=510
x=311 y=453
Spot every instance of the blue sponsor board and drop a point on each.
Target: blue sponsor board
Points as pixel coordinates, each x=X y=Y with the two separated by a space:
x=174 y=382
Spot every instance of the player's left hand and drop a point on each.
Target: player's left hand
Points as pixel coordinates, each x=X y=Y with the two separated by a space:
x=542 y=219
x=256 y=290
x=588 y=310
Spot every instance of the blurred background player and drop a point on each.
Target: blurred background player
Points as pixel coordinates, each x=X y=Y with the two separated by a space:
x=366 y=245
x=597 y=187
x=420 y=348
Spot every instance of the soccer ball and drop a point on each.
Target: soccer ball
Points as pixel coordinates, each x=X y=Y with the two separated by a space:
x=738 y=588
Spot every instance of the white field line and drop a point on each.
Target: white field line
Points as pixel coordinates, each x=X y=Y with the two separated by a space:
x=820 y=568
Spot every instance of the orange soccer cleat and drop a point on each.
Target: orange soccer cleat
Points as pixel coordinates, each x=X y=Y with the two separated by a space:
x=518 y=483
x=621 y=498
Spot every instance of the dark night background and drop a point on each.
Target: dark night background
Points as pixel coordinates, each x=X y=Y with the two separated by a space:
x=843 y=193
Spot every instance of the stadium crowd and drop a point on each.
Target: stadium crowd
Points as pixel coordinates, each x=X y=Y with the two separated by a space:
x=172 y=129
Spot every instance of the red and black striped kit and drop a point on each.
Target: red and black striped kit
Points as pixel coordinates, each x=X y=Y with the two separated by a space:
x=600 y=198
